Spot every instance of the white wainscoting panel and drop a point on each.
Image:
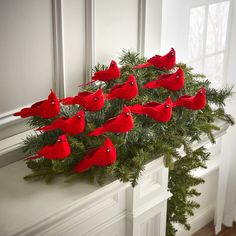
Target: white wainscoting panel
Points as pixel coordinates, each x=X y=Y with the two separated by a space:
x=116 y=28
x=74 y=44
x=26 y=47
x=153 y=27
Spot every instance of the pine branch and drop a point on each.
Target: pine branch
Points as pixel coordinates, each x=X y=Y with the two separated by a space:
x=148 y=139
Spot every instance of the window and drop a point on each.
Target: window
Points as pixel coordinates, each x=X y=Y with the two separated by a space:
x=198 y=29
x=207 y=39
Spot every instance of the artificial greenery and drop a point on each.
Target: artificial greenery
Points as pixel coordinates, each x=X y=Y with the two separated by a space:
x=148 y=139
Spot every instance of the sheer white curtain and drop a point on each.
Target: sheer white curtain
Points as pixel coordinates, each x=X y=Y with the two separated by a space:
x=203 y=32
x=230 y=140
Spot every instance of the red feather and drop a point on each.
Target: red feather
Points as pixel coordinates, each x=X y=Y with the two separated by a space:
x=196 y=102
x=160 y=112
x=59 y=150
x=73 y=125
x=127 y=90
x=113 y=72
x=161 y=62
x=172 y=82
x=47 y=108
x=102 y=156
x=120 y=124
x=90 y=101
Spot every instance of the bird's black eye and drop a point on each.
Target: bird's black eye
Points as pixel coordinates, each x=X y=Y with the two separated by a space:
x=167 y=106
x=127 y=113
x=177 y=77
x=172 y=54
x=59 y=140
x=95 y=99
x=79 y=117
x=52 y=102
x=131 y=83
x=108 y=150
x=200 y=92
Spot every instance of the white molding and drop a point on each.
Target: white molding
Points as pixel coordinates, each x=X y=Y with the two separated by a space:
x=141 y=26
x=106 y=224
x=148 y=205
x=78 y=217
x=7 y=118
x=11 y=144
x=89 y=38
x=58 y=44
x=69 y=212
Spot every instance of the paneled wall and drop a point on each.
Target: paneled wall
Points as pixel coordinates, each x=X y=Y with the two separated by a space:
x=54 y=44
x=26 y=56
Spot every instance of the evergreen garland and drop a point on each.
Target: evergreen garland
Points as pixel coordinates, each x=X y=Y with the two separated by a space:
x=147 y=140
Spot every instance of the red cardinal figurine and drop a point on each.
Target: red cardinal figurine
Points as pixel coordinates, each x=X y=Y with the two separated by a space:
x=90 y=101
x=47 y=108
x=120 y=124
x=59 y=150
x=173 y=82
x=102 y=156
x=161 y=62
x=73 y=125
x=157 y=111
x=113 y=72
x=127 y=90
x=196 y=102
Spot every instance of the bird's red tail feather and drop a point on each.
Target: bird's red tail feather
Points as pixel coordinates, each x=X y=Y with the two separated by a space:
x=143 y=65
x=151 y=84
x=25 y=112
x=136 y=109
x=46 y=128
x=97 y=132
x=175 y=104
x=67 y=101
x=90 y=82
x=83 y=165
x=109 y=97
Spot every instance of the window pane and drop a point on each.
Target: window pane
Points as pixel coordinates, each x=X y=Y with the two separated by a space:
x=196 y=31
x=217 y=26
x=214 y=69
x=197 y=66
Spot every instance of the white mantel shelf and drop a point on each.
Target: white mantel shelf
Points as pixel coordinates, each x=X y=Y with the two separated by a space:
x=80 y=208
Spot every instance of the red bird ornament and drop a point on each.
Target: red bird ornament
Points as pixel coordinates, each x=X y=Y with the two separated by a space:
x=120 y=124
x=127 y=90
x=73 y=125
x=47 y=108
x=113 y=72
x=161 y=62
x=172 y=82
x=59 y=150
x=91 y=101
x=196 y=102
x=102 y=156
x=160 y=112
